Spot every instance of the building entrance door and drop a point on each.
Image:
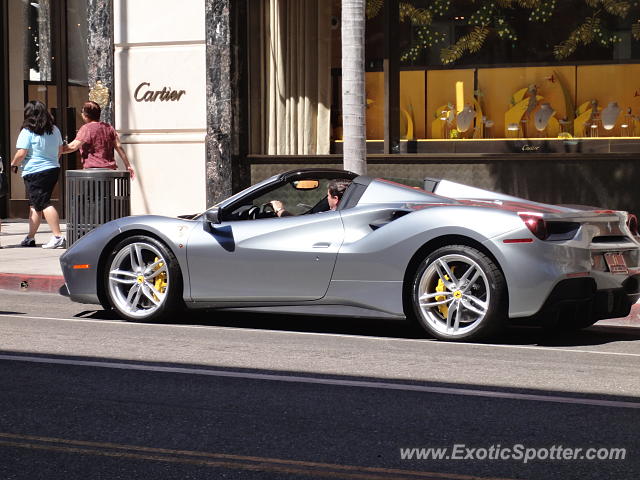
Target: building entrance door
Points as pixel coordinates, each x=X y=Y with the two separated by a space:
x=46 y=61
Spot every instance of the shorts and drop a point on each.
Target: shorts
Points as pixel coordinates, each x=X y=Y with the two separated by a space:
x=39 y=187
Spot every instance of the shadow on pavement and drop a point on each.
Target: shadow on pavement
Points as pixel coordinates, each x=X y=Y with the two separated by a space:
x=295 y=323
x=514 y=335
x=98 y=315
x=595 y=335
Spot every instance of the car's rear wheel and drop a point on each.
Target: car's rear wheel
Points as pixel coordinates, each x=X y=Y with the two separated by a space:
x=143 y=280
x=459 y=294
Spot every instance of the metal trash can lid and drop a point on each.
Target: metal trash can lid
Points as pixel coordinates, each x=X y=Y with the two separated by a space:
x=97 y=173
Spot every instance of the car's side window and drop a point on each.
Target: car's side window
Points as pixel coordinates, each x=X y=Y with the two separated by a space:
x=297 y=198
x=296 y=201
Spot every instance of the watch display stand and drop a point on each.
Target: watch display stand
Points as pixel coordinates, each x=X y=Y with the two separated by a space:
x=609 y=115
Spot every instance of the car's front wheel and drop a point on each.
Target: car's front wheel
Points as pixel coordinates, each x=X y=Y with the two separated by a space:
x=459 y=294
x=143 y=280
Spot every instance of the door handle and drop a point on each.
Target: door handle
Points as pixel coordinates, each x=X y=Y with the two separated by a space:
x=321 y=245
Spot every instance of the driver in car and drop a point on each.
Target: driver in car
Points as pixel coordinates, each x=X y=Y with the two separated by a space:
x=335 y=190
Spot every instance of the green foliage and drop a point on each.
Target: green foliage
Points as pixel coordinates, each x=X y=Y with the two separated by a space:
x=592 y=30
x=491 y=19
x=423 y=18
x=520 y=3
x=583 y=35
x=373 y=8
x=543 y=11
x=615 y=7
x=417 y=16
x=472 y=42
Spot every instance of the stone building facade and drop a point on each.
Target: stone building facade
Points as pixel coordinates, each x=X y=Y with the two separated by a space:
x=210 y=96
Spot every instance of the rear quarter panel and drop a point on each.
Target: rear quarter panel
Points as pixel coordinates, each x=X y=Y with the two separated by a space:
x=372 y=264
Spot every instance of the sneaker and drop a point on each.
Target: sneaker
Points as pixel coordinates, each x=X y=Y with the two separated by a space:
x=54 y=242
x=28 y=242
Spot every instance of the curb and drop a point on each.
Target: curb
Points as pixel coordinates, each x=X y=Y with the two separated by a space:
x=32 y=283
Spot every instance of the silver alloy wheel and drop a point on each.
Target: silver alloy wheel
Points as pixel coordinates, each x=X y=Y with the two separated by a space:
x=463 y=304
x=138 y=279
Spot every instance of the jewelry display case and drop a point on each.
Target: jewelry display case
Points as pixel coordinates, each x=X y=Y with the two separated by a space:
x=493 y=110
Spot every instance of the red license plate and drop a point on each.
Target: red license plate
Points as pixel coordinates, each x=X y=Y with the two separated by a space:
x=616 y=263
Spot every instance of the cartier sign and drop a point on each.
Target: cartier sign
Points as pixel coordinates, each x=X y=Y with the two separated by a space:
x=144 y=93
x=531 y=148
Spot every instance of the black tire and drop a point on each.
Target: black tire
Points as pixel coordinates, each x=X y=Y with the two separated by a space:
x=151 y=291
x=473 y=309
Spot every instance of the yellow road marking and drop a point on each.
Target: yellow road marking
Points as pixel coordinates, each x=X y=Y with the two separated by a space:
x=222 y=460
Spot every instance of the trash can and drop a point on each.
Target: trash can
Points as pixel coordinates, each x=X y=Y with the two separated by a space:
x=94 y=197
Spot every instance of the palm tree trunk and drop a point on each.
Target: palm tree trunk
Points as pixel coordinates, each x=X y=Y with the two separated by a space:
x=353 y=86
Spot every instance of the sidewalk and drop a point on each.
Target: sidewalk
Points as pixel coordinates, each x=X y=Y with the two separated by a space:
x=29 y=269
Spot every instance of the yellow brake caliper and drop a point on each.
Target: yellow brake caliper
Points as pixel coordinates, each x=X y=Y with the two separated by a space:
x=161 y=280
x=444 y=308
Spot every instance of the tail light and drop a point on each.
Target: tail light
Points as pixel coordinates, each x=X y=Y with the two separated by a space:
x=632 y=223
x=536 y=224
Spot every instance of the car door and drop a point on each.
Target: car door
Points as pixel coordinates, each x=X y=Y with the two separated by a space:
x=270 y=259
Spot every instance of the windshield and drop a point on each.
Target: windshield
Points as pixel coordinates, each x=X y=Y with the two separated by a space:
x=234 y=197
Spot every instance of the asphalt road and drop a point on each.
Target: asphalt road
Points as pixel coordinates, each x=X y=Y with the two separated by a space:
x=215 y=395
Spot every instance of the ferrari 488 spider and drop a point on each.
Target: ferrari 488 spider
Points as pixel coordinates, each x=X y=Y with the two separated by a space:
x=461 y=261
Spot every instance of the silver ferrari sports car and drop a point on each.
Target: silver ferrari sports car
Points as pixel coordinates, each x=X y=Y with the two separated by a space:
x=459 y=260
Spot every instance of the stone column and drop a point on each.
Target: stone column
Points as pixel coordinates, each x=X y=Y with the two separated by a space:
x=219 y=100
x=226 y=140
x=100 y=49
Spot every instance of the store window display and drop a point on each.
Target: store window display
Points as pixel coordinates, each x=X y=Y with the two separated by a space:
x=473 y=71
x=494 y=50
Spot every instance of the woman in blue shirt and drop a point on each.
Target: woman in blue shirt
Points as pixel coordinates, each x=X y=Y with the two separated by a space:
x=39 y=146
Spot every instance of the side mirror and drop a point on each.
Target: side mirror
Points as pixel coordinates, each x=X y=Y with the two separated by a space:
x=212 y=216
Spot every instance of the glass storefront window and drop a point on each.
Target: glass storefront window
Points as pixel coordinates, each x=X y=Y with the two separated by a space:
x=38 y=41
x=465 y=33
x=31 y=67
x=506 y=70
x=77 y=71
x=290 y=50
x=77 y=42
x=509 y=70
x=39 y=62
